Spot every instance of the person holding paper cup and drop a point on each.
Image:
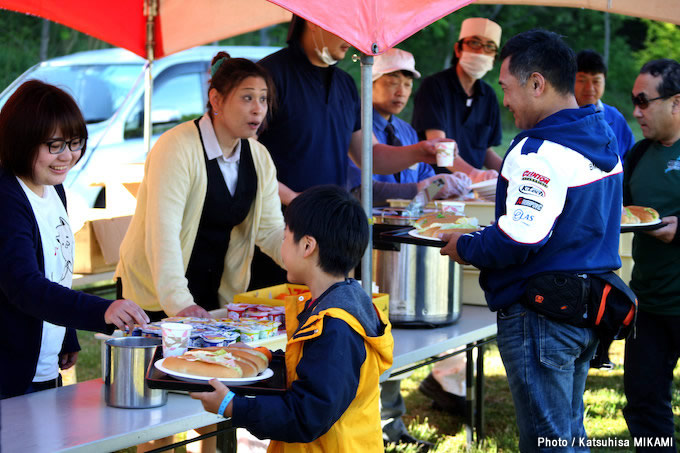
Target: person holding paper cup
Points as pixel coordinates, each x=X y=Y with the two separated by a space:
x=457 y=104
x=393 y=74
x=42 y=136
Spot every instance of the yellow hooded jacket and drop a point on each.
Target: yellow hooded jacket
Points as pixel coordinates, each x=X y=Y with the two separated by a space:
x=354 y=428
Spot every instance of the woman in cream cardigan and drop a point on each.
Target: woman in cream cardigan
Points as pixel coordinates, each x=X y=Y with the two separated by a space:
x=208 y=196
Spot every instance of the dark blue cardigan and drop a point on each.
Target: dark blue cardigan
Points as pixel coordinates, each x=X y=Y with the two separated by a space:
x=27 y=297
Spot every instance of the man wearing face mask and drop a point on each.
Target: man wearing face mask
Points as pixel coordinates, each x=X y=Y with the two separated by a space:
x=457 y=104
x=316 y=124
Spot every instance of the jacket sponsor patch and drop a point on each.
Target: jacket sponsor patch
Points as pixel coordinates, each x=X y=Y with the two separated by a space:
x=521 y=216
x=528 y=189
x=534 y=177
x=521 y=201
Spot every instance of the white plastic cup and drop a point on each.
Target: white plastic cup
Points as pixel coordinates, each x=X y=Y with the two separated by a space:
x=175 y=338
x=445 y=152
x=454 y=207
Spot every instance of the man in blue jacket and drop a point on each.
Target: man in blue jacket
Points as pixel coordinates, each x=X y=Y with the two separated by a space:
x=558 y=209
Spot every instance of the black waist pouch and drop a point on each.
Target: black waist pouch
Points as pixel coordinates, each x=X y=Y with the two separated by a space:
x=559 y=296
x=599 y=301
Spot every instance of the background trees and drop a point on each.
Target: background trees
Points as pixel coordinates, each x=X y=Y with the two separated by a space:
x=627 y=42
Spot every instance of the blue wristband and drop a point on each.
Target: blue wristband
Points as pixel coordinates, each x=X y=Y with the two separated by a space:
x=225 y=402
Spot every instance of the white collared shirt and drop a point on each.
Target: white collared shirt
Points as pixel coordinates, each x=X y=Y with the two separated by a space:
x=228 y=165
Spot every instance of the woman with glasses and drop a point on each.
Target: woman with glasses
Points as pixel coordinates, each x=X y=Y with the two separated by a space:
x=42 y=136
x=457 y=104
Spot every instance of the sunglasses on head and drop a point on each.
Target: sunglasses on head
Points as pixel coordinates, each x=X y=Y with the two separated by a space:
x=641 y=100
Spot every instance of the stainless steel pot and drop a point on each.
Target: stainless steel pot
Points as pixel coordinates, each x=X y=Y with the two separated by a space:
x=425 y=287
x=127 y=359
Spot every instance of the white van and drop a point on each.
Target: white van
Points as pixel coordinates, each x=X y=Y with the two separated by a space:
x=108 y=86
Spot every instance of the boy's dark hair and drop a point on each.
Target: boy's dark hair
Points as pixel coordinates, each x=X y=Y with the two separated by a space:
x=336 y=220
x=544 y=52
x=29 y=118
x=669 y=70
x=590 y=62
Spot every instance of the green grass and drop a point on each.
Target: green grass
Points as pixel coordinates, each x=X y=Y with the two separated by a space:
x=604 y=399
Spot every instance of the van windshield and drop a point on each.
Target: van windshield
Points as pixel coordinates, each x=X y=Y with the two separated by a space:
x=98 y=89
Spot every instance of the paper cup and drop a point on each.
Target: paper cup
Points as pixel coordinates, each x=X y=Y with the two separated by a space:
x=454 y=207
x=175 y=338
x=445 y=151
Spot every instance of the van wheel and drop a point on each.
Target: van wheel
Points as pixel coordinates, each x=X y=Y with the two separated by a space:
x=100 y=202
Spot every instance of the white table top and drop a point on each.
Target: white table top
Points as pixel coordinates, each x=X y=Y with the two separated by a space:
x=76 y=418
x=414 y=345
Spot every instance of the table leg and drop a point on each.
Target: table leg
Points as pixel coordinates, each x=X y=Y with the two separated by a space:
x=226 y=440
x=469 y=395
x=479 y=393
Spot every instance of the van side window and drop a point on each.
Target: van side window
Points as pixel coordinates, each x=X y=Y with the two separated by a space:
x=177 y=97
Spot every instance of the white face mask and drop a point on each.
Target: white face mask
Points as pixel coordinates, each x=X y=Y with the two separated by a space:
x=323 y=54
x=476 y=64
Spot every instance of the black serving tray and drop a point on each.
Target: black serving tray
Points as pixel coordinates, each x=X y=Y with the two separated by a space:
x=276 y=385
x=401 y=236
x=634 y=228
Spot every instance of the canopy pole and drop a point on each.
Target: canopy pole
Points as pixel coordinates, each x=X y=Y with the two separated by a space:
x=367 y=166
x=151 y=7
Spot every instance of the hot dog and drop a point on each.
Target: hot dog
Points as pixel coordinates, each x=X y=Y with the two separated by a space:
x=628 y=218
x=247 y=353
x=213 y=362
x=435 y=224
x=645 y=214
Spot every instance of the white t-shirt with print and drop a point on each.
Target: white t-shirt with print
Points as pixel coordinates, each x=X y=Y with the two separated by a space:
x=58 y=251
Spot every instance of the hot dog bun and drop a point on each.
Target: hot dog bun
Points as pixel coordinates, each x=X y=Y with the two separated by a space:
x=645 y=214
x=198 y=368
x=628 y=218
x=436 y=224
x=247 y=353
x=213 y=362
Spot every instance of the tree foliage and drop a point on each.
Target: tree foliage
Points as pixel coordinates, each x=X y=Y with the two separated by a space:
x=632 y=42
x=661 y=42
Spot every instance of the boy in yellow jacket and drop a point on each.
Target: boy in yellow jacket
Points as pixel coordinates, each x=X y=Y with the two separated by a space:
x=338 y=345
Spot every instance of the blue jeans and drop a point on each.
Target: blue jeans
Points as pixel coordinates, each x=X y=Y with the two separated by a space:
x=546 y=363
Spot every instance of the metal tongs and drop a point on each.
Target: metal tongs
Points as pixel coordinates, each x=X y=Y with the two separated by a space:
x=417 y=205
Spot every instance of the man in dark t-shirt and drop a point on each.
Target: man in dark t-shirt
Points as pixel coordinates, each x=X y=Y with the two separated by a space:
x=652 y=179
x=456 y=103
x=316 y=124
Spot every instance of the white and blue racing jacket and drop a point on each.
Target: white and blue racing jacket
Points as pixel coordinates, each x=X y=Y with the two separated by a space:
x=558 y=206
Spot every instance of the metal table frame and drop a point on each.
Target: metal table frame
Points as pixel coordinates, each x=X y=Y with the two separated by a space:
x=415 y=348
x=75 y=418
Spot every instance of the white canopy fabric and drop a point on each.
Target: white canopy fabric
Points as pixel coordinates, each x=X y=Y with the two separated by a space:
x=661 y=10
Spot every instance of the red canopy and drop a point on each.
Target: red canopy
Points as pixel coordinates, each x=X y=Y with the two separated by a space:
x=373 y=26
x=179 y=25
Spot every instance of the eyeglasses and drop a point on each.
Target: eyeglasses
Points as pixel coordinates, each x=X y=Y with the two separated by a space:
x=58 y=146
x=641 y=100
x=475 y=44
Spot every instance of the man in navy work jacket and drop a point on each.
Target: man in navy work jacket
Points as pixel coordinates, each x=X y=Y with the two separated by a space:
x=558 y=209
x=457 y=104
